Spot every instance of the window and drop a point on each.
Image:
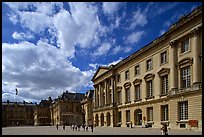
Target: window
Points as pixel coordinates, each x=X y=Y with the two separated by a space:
x=183 y=110
x=137 y=70
x=163 y=57
x=137 y=92
x=119 y=97
x=127 y=95
x=185 y=75
x=119 y=116
x=185 y=46
x=109 y=82
x=149 y=64
x=118 y=78
x=103 y=99
x=149 y=88
x=149 y=113
x=127 y=74
x=127 y=115
x=164 y=113
x=164 y=83
x=98 y=100
x=109 y=97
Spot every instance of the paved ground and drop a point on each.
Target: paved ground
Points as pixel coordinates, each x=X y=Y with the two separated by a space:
x=46 y=130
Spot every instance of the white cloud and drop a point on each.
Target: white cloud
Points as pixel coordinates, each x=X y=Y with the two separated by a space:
x=127 y=49
x=134 y=37
x=139 y=19
x=103 y=49
x=39 y=71
x=85 y=17
x=81 y=27
x=110 y=8
x=117 y=49
x=22 y=36
x=161 y=32
x=115 y=62
x=36 y=22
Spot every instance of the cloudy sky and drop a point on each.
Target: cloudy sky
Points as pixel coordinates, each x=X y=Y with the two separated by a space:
x=48 y=48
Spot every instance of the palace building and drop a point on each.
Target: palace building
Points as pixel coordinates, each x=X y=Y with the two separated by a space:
x=17 y=113
x=87 y=107
x=160 y=83
x=67 y=110
x=41 y=114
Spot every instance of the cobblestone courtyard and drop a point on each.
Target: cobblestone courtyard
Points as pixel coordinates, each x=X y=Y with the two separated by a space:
x=46 y=130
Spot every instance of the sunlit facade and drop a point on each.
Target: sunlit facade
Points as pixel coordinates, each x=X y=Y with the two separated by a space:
x=160 y=83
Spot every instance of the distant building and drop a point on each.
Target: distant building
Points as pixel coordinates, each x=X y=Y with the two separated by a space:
x=66 y=109
x=160 y=83
x=17 y=113
x=42 y=115
x=87 y=107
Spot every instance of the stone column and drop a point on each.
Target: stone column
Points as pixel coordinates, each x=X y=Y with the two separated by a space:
x=99 y=91
x=196 y=60
x=106 y=89
x=173 y=61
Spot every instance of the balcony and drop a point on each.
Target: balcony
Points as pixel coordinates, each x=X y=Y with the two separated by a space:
x=194 y=87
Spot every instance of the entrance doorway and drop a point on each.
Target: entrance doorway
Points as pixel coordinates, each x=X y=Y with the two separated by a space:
x=138 y=117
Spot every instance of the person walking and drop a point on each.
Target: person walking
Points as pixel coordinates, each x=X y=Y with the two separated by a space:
x=57 y=126
x=91 y=127
x=131 y=124
x=164 y=129
x=63 y=127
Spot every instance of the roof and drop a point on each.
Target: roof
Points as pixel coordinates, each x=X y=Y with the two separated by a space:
x=71 y=96
x=18 y=103
x=99 y=68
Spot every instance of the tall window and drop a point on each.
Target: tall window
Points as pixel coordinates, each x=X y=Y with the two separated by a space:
x=183 y=110
x=185 y=74
x=109 y=82
x=164 y=84
x=127 y=74
x=137 y=70
x=119 y=116
x=163 y=57
x=137 y=92
x=149 y=88
x=185 y=46
x=127 y=95
x=127 y=115
x=164 y=113
x=118 y=78
x=149 y=113
x=110 y=98
x=119 y=97
x=149 y=64
x=103 y=99
x=98 y=100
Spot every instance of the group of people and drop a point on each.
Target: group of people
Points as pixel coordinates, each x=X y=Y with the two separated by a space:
x=77 y=127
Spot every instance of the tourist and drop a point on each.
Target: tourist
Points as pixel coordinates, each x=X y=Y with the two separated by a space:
x=57 y=126
x=164 y=129
x=91 y=127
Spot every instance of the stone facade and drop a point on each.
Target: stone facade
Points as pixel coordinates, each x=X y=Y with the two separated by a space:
x=87 y=107
x=66 y=109
x=160 y=83
x=42 y=113
x=17 y=113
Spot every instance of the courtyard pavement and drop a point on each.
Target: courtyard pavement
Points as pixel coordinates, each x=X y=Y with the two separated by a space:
x=47 y=130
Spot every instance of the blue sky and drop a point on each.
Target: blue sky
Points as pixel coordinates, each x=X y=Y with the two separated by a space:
x=48 y=48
